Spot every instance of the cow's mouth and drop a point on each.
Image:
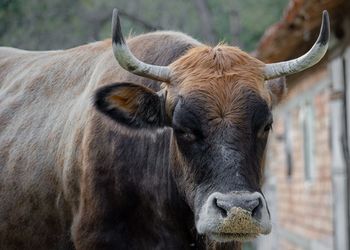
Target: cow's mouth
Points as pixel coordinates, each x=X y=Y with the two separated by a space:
x=226 y=237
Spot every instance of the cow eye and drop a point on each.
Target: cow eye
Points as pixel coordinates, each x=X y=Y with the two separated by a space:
x=185 y=134
x=188 y=137
x=268 y=127
x=265 y=128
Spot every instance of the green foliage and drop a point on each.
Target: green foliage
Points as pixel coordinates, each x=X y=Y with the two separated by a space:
x=37 y=24
x=256 y=17
x=57 y=24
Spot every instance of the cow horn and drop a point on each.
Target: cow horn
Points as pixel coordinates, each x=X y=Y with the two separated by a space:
x=313 y=56
x=128 y=61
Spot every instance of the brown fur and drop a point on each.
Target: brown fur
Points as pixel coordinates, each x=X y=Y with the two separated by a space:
x=217 y=77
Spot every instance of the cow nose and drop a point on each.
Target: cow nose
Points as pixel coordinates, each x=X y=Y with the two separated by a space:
x=234 y=212
x=249 y=203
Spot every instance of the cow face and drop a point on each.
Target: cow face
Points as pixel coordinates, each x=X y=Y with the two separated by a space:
x=220 y=110
x=219 y=107
x=221 y=116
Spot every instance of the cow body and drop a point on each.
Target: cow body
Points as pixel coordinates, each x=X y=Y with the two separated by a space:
x=53 y=150
x=94 y=157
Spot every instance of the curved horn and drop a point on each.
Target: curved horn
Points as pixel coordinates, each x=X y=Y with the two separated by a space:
x=128 y=61
x=313 y=56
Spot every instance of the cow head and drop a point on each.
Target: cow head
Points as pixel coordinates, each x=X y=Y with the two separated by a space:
x=218 y=101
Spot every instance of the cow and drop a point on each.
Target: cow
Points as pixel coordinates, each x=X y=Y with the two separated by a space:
x=158 y=148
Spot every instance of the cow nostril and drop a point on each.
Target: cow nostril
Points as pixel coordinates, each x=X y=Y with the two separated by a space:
x=256 y=207
x=222 y=210
x=224 y=205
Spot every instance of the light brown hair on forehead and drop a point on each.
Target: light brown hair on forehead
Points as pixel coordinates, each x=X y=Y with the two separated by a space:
x=219 y=72
x=204 y=62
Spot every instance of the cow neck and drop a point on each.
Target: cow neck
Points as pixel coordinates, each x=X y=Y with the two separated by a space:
x=127 y=186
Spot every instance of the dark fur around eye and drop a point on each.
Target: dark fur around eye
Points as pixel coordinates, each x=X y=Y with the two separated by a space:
x=186 y=123
x=268 y=127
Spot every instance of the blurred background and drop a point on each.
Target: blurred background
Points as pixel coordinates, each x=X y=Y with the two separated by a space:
x=308 y=160
x=56 y=24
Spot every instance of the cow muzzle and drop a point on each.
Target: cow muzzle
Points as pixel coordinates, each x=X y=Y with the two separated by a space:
x=236 y=216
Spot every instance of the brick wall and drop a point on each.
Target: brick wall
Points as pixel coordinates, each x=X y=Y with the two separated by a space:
x=303 y=217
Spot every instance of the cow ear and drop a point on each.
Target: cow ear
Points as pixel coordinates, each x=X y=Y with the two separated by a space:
x=277 y=88
x=132 y=105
